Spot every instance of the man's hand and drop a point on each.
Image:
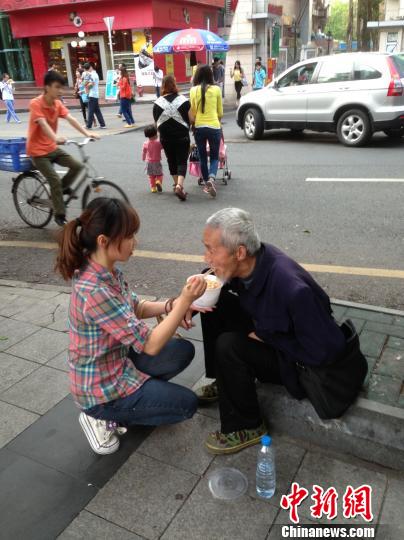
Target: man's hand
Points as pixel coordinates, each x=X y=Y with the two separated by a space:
x=60 y=140
x=253 y=335
x=93 y=135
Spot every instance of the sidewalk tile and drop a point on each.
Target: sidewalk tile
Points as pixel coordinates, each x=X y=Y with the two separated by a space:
x=369 y=315
x=39 y=391
x=196 y=369
x=391 y=524
x=287 y=459
x=283 y=519
x=59 y=362
x=318 y=468
x=12 y=304
x=395 y=343
x=13 y=331
x=384 y=389
x=389 y=329
x=182 y=444
x=56 y=440
x=37 y=502
x=399 y=321
x=45 y=312
x=203 y=517
x=30 y=293
x=143 y=496
x=13 y=369
x=372 y=343
x=90 y=527
x=338 y=311
x=13 y=421
x=358 y=323
x=41 y=347
x=371 y=364
x=391 y=363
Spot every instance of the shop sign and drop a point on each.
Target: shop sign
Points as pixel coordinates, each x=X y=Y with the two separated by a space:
x=56 y=44
x=169 y=64
x=275 y=10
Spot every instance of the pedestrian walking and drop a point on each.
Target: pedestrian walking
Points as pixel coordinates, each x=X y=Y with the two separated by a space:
x=151 y=154
x=84 y=90
x=205 y=114
x=119 y=367
x=171 y=114
x=218 y=73
x=79 y=90
x=92 y=82
x=259 y=77
x=237 y=74
x=116 y=81
x=6 y=87
x=125 y=96
x=158 y=79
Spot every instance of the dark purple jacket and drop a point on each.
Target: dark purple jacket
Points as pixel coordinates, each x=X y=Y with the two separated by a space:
x=291 y=312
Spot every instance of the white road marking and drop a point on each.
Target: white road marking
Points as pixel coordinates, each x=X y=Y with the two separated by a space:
x=354 y=179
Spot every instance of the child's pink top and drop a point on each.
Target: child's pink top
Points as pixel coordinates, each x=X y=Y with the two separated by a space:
x=152 y=150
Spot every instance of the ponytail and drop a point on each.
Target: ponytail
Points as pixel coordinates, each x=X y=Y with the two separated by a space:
x=71 y=254
x=114 y=218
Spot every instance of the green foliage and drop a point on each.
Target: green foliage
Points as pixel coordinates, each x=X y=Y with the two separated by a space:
x=338 y=20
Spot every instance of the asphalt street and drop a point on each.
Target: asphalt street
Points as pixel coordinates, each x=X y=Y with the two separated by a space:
x=340 y=224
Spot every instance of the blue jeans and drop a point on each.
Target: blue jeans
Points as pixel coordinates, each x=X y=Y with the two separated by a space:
x=126 y=108
x=157 y=401
x=213 y=136
x=94 y=109
x=11 y=114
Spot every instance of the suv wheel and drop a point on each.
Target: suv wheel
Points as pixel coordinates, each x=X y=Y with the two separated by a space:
x=253 y=124
x=395 y=133
x=353 y=128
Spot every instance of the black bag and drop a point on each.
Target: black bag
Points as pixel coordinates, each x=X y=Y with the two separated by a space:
x=333 y=387
x=194 y=155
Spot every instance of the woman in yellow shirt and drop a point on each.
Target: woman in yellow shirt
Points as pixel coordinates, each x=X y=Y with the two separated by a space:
x=238 y=75
x=206 y=113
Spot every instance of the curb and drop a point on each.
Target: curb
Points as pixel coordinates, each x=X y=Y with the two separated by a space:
x=367 y=307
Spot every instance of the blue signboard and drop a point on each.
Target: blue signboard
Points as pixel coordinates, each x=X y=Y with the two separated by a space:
x=111 y=88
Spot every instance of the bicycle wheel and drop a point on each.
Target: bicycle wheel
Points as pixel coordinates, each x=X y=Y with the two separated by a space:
x=102 y=188
x=32 y=199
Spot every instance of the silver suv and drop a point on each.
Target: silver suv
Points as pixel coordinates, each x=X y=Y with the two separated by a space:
x=352 y=94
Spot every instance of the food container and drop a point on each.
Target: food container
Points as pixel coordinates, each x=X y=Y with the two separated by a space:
x=212 y=293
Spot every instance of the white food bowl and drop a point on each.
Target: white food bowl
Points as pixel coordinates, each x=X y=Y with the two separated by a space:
x=211 y=295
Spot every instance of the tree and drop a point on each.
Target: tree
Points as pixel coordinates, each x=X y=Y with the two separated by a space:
x=338 y=20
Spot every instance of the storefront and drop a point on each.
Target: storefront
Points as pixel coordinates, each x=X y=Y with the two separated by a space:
x=69 y=33
x=15 y=58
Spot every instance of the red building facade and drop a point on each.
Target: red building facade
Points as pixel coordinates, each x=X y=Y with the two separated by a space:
x=52 y=25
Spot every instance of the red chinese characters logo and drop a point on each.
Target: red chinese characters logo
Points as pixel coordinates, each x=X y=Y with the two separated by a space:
x=356 y=502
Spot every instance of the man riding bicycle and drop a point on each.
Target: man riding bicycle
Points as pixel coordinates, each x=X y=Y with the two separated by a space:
x=42 y=141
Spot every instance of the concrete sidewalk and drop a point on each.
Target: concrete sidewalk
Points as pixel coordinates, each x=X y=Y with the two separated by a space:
x=155 y=486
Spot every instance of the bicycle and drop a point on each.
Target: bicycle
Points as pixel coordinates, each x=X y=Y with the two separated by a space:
x=31 y=191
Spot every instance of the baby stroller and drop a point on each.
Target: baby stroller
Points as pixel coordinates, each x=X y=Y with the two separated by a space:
x=195 y=167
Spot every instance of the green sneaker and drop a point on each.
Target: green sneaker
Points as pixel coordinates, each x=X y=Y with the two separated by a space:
x=229 y=443
x=208 y=393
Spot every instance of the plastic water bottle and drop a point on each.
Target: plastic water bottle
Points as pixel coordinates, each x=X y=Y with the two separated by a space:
x=266 y=474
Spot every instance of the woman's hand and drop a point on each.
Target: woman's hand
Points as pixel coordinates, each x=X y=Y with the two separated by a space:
x=194 y=288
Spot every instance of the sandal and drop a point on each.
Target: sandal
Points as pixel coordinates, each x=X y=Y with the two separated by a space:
x=180 y=193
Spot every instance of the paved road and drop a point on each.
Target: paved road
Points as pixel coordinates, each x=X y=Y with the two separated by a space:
x=343 y=224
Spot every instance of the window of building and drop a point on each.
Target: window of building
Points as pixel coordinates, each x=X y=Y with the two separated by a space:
x=15 y=58
x=336 y=70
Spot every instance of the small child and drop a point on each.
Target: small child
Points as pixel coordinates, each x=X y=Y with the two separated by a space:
x=152 y=155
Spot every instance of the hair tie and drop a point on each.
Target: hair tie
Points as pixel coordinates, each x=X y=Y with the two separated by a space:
x=78 y=223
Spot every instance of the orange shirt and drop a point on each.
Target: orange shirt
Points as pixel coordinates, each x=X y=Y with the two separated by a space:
x=38 y=144
x=125 y=91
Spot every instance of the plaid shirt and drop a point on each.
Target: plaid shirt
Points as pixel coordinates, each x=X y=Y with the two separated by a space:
x=102 y=327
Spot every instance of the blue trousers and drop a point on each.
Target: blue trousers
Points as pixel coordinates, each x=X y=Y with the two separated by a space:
x=157 y=401
x=11 y=114
x=213 y=136
x=126 y=108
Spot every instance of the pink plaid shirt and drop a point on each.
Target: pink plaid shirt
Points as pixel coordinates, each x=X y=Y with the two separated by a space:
x=102 y=328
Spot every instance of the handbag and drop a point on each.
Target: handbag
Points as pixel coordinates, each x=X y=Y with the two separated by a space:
x=244 y=81
x=333 y=387
x=194 y=154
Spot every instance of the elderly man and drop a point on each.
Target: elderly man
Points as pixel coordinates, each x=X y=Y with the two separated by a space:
x=271 y=315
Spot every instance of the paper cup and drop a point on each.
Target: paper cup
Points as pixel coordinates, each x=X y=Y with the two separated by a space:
x=212 y=293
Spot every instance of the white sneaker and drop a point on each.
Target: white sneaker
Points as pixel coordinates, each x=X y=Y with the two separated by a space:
x=102 y=440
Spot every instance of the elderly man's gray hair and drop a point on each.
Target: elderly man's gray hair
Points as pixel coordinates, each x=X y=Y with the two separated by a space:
x=237 y=229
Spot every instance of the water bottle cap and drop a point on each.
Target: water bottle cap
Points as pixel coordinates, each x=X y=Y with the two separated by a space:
x=266 y=440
